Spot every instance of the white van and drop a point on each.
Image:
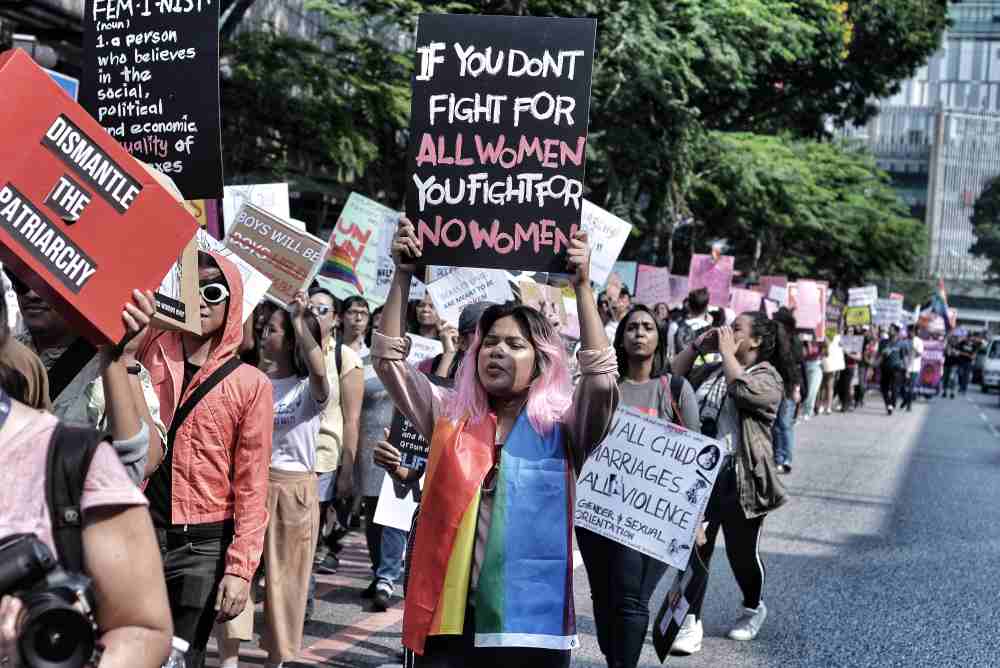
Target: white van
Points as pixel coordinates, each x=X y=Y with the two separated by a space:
x=991 y=365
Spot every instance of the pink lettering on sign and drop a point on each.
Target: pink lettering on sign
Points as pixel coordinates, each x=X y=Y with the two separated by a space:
x=453 y=232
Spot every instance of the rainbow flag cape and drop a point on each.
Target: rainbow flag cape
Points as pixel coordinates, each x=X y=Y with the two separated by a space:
x=525 y=589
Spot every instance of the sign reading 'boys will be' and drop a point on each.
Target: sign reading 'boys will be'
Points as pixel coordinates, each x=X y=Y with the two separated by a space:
x=498 y=137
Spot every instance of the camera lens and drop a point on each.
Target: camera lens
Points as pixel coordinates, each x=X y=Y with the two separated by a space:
x=56 y=636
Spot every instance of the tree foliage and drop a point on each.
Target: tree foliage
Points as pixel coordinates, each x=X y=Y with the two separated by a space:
x=667 y=74
x=804 y=208
x=985 y=221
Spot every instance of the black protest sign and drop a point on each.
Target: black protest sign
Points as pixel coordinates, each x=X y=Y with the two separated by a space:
x=413 y=447
x=498 y=135
x=151 y=78
x=688 y=586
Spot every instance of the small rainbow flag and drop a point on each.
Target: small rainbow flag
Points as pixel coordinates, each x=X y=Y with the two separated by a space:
x=340 y=266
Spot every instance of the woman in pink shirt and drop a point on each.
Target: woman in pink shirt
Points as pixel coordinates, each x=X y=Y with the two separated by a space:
x=120 y=553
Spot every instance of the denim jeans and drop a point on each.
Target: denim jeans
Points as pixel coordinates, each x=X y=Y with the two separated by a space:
x=964 y=376
x=390 y=566
x=814 y=377
x=621 y=582
x=784 y=432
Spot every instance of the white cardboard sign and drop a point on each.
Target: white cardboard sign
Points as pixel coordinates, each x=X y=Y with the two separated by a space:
x=647 y=485
x=462 y=287
x=607 y=234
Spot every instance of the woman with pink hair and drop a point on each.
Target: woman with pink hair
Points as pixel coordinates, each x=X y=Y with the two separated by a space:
x=491 y=577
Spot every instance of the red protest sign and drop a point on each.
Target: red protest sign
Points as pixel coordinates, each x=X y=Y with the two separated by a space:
x=81 y=221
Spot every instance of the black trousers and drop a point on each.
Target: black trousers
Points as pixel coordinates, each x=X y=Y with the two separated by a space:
x=891 y=381
x=742 y=541
x=373 y=532
x=193 y=570
x=461 y=652
x=621 y=582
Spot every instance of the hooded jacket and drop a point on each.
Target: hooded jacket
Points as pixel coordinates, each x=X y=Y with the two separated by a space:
x=222 y=452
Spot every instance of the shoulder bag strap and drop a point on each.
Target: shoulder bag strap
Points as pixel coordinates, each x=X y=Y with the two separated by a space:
x=70 y=452
x=70 y=363
x=199 y=393
x=673 y=388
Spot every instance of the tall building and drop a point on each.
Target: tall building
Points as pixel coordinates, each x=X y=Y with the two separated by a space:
x=939 y=137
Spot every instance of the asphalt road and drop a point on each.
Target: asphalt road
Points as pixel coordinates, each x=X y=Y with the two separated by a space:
x=886 y=555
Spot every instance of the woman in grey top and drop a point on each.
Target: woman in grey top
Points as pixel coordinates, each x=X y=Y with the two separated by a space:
x=623 y=579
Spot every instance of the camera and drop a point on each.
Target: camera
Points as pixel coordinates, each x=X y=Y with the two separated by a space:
x=59 y=628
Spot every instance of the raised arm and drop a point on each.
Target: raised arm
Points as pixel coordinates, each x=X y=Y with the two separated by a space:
x=411 y=391
x=596 y=396
x=309 y=349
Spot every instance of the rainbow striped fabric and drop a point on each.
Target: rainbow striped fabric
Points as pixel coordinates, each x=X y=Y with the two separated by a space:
x=525 y=589
x=339 y=266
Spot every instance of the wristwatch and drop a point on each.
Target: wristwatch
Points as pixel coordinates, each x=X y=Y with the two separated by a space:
x=134 y=369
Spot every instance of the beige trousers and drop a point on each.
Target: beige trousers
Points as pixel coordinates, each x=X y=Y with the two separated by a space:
x=289 y=546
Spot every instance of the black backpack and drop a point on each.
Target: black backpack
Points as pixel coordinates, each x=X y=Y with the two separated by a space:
x=71 y=451
x=686 y=334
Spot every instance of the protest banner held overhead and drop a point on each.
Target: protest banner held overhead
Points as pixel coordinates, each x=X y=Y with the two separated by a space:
x=607 y=234
x=742 y=300
x=678 y=289
x=652 y=285
x=151 y=79
x=498 y=135
x=275 y=248
x=764 y=287
x=716 y=274
x=647 y=484
x=353 y=257
x=857 y=316
x=72 y=199
x=468 y=286
x=255 y=284
x=272 y=197
x=547 y=300
x=809 y=305
x=887 y=311
x=423 y=348
x=865 y=296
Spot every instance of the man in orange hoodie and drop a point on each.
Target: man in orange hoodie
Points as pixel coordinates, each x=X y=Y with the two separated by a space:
x=208 y=497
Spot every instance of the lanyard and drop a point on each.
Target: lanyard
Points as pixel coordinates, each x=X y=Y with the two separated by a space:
x=5 y=406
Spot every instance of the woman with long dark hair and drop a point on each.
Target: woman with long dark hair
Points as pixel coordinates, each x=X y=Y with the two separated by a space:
x=293 y=360
x=492 y=567
x=739 y=399
x=623 y=579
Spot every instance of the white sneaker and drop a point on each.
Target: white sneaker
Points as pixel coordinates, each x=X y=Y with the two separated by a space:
x=688 y=640
x=749 y=626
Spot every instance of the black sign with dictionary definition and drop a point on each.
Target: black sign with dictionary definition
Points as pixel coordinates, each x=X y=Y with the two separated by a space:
x=151 y=78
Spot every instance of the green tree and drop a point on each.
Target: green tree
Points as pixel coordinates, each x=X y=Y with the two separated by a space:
x=332 y=114
x=985 y=221
x=804 y=208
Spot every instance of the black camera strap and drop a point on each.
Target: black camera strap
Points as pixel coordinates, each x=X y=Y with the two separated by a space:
x=70 y=453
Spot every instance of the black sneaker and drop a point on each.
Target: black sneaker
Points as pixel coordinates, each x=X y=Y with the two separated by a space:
x=784 y=469
x=369 y=592
x=329 y=565
x=382 y=600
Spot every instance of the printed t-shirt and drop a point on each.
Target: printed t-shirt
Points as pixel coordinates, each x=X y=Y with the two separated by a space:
x=296 y=425
x=24 y=451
